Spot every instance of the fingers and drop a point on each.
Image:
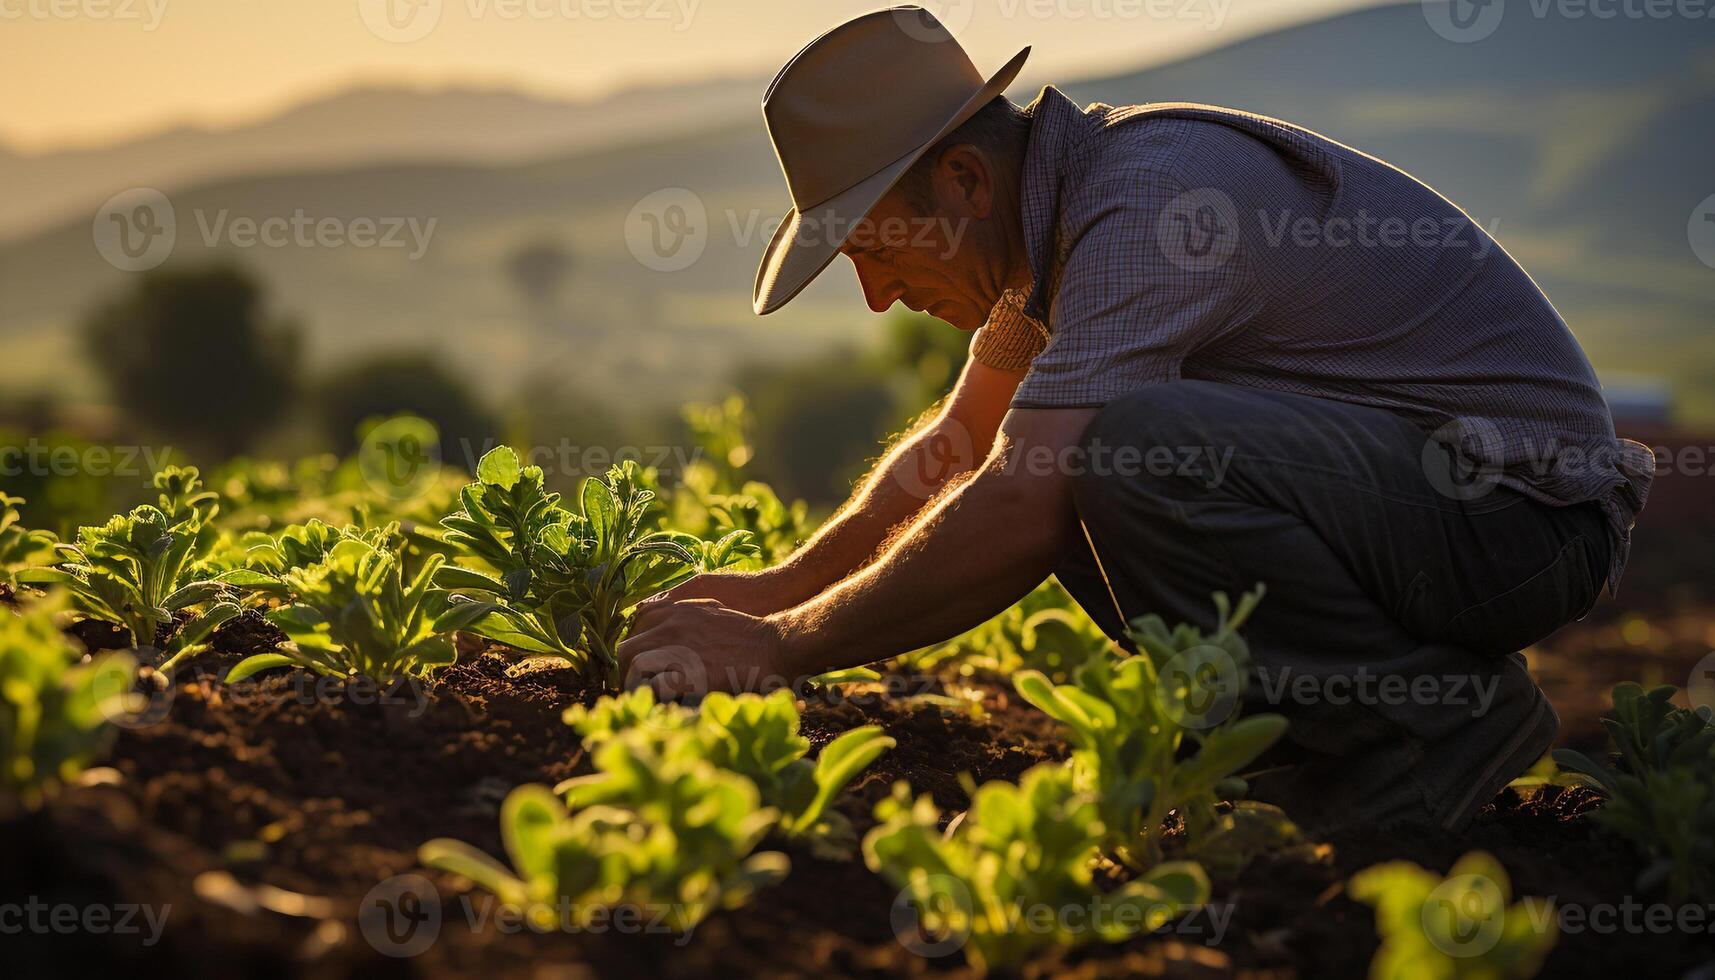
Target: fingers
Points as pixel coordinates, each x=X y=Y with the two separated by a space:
x=692 y=588
x=674 y=672
x=651 y=613
x=647 y=614
x=662 y=626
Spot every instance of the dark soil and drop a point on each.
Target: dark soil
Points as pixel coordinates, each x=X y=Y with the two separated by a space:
x=264 y=814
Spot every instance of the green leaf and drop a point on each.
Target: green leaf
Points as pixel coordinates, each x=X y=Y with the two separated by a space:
x=459 y=858
x=247 y=578
x=250 y=666
x=499 y=466
x=516 y=630
x=840 y=761
x=193 y=593
x=199 y=628
x=45 y=576
x=1226 y=750
x=601 y=510
x=528 y=820
x=455 y=578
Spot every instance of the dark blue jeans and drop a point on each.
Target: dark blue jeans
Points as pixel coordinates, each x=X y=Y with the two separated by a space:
x=1395 y=603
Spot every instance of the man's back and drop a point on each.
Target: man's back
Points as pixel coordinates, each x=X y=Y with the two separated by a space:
x=1199 y=242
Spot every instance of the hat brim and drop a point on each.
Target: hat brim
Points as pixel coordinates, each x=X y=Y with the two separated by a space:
x=808 y=240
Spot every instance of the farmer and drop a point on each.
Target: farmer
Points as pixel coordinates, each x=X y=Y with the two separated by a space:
x=1209 y=349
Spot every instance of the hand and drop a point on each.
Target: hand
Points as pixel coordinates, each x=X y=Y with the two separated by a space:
x=756 y=593
x=690 y=647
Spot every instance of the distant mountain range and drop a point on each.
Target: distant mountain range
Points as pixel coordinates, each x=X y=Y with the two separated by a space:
x=1584 y=144
x=359 y=126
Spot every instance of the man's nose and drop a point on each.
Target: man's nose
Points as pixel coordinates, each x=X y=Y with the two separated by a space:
x=879 y=290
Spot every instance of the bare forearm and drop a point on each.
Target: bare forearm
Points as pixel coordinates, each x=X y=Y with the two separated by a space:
x=893 y=494
x=971 y=555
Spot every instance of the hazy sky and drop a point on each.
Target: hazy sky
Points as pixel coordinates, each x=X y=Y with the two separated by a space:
x=95 y=71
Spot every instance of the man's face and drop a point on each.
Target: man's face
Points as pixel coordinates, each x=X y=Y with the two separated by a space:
x=937 y=263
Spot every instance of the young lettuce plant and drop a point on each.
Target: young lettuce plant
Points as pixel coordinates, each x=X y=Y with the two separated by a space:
x=775 y=528
x=356 y=613
x=613 y=715
x=266 y=559
x=657 y=827
x=140 y=570
x=18 y=545
x=503 y=517
x=1131 y=722
x=1661 y=793
x=567 y=582
x=610 y=559
x=54 y=711
x=1457 y=928
x=756 y=737
x=1019 y=850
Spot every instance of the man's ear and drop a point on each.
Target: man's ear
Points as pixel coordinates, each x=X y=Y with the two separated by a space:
x=964 y=181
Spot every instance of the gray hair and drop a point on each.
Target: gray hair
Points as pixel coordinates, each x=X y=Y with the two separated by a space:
x=999 y=128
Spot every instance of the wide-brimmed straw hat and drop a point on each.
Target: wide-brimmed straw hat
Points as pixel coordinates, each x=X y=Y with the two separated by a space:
x=849 y=115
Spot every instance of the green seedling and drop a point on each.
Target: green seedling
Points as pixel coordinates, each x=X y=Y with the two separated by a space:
x=1457 y=928
x=566 y=583
x=756 y=737
x=140 y=570
x=54 y=710
x=658 y=826
x=267 y=559
x=357 y=614
x=1018 y=861
x=1159 y=732
x=18 y=545
x=1661 y=790
x=775 y=528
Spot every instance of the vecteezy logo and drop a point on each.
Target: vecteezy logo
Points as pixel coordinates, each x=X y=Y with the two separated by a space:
x=1460 y=458
x=400 y=21
x=132 y=700
x=918 y=22
x=1464 y=915
x=1198 y=230
x=683 y=676
x=135 y=229
x=401 y=916
x=1464 y=21
x=401 y=457
x=947 y=451
x=1701 y=231
x=1197 y=688
x=667 y=230
x=932 y=917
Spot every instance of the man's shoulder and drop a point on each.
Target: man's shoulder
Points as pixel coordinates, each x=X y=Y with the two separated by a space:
x=1196 y=141
x=1134 y=155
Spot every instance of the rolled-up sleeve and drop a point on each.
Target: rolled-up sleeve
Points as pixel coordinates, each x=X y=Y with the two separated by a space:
x=1152 y=271
x=1009 y=341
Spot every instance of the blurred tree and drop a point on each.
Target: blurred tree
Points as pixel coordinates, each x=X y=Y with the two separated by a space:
x=538 y=269
x=195 y=356
x=417 y=383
